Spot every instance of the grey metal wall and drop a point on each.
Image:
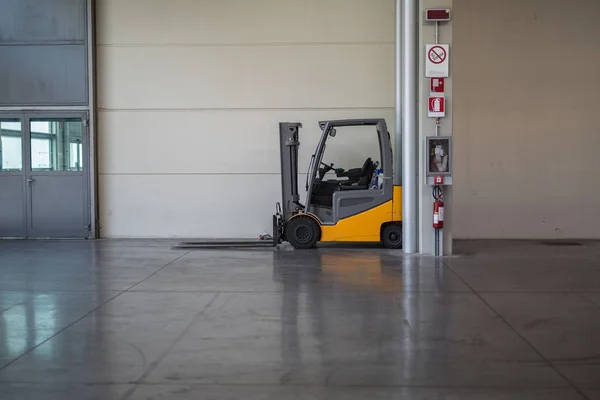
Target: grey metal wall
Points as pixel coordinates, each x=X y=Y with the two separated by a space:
x=43 y=53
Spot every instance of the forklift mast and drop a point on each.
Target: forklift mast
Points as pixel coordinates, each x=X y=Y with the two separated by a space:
x=289 y=143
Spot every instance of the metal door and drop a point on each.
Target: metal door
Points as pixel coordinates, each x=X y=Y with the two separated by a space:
x=13 y=195
x=57 y=180
x=44 y=175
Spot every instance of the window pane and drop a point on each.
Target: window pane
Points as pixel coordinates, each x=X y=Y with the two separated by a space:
x=40 y=154
x=11 y=154
x=56 y=145
x=76 y=154
x=351 y=147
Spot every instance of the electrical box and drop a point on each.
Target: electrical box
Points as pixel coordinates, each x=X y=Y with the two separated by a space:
x=439 y=160
x=437 y=14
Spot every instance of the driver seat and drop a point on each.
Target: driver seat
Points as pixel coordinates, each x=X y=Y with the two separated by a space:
x=365 y=180
x=360 y=176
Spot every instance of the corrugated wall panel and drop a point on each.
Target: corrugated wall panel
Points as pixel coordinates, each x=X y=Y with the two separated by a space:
x=43 y=53
x=41 y=21
x=43 y=75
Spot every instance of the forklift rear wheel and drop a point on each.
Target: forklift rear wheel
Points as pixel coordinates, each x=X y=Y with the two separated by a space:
x=303 y=232
x=391 y=236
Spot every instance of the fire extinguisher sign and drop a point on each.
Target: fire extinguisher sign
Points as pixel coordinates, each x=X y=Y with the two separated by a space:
x=437 y=107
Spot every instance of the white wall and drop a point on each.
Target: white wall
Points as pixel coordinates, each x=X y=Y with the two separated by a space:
x=191 y=93
x=526 y=129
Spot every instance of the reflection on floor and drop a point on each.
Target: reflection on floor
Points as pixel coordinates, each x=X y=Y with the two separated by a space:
x=136 y=320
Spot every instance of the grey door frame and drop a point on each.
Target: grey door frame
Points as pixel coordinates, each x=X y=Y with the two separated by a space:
x=26 y=116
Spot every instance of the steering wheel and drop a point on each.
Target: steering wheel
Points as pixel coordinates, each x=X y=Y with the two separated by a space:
x=328 y=167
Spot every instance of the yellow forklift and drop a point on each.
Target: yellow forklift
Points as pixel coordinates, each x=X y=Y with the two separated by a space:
x=360 y=205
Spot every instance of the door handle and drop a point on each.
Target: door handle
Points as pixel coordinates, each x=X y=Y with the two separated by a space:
x=30 y=180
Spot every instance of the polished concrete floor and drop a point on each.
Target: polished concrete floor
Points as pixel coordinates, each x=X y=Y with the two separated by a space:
x=136 y=320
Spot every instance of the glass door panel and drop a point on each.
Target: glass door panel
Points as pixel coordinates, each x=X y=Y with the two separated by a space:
x=12 y=179
x=11 y=145
x=56 y=144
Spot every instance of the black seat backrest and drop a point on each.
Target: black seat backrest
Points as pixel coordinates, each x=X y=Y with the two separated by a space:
x=366 y=166
x=368 y=170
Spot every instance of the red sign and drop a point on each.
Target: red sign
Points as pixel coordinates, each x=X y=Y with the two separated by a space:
x=438 y=180
x=437 y=14
x=437 y=85
x=437 y=106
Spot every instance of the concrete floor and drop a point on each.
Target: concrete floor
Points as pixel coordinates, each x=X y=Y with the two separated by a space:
x=136 y=320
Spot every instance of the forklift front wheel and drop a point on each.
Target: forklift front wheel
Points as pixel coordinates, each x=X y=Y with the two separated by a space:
x=303 y=232
x=391 y=236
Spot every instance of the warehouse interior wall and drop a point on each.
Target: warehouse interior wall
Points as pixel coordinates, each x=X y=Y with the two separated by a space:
x=190 y=94
x=526 y=133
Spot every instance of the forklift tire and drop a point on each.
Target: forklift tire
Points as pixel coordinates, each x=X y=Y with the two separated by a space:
x=303 y=232
x=391 y=236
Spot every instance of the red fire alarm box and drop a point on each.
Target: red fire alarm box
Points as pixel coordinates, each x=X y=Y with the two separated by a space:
x=438 y=180
x=437 y=85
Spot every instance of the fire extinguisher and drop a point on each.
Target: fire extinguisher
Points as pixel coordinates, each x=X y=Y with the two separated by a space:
x=438 y=209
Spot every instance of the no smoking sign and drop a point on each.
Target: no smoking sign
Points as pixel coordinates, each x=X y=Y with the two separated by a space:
x=437 y=54
x=436 y=60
